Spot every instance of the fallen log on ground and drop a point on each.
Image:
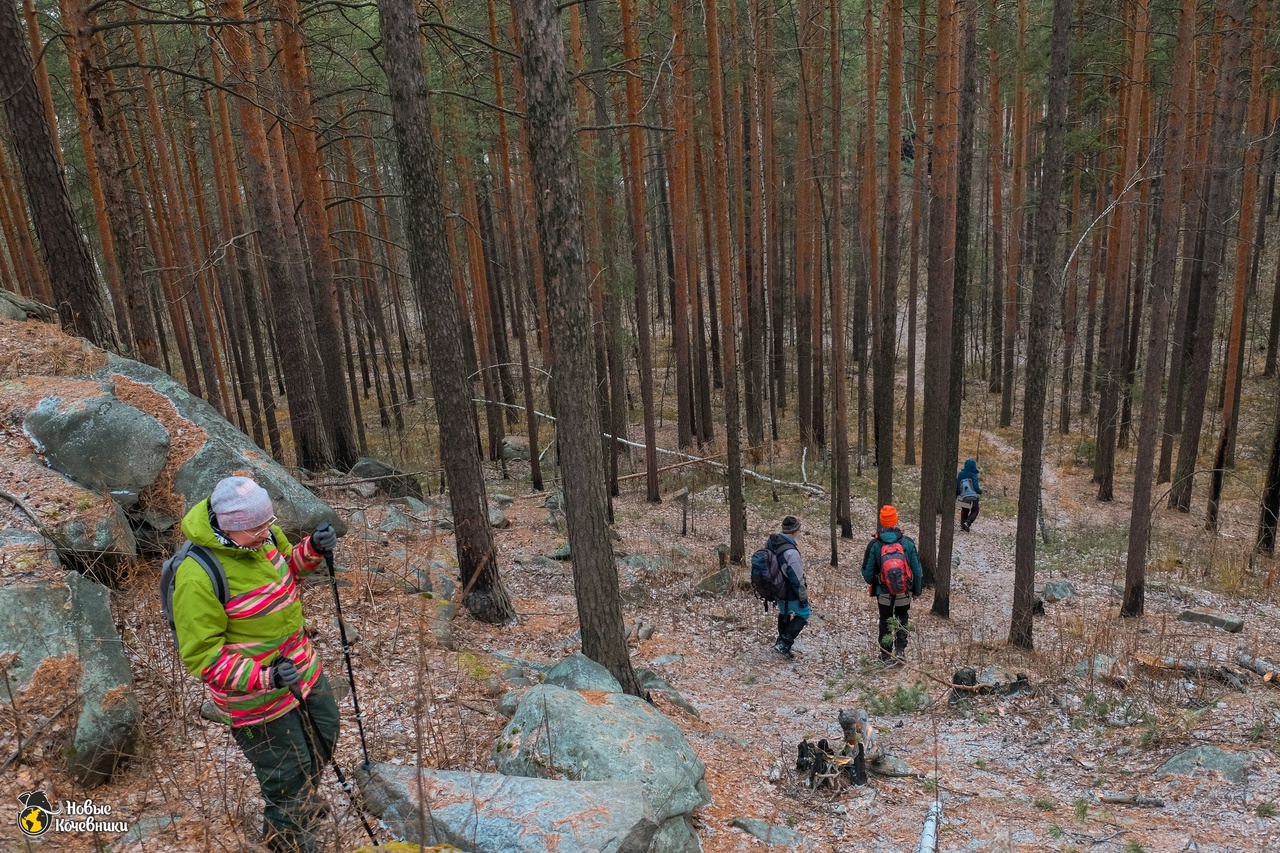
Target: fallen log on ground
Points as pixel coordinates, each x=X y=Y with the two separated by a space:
x=1197 y=670
x=1131 y=800
x=1269 y=671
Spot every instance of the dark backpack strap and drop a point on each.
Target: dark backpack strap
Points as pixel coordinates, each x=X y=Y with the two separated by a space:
x=213 y=568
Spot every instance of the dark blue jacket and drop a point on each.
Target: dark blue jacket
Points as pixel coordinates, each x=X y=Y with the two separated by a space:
x=968 y=472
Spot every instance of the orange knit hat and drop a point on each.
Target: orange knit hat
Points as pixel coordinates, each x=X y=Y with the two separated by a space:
x=888 y=516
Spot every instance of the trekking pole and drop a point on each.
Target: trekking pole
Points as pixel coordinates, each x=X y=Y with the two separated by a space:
x=346 y=655
x=309 y=727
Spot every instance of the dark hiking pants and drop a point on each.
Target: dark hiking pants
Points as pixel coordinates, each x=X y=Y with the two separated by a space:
x=968 y=514
x=893 y=643
x=289 y=755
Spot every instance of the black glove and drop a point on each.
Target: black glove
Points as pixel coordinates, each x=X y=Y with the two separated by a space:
x=804 y=602
x=283 y=673
x=325 y=538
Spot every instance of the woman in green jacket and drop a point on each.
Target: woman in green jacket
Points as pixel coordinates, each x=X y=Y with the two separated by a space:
x=252 y=653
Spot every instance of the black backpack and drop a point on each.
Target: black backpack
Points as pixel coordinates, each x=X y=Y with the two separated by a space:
x=168 y=575
x=767 y=578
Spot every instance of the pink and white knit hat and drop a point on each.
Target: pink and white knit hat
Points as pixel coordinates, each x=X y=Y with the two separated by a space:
x=240 y=504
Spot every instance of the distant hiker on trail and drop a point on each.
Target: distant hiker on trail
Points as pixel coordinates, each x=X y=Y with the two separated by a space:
x=891 y=567
x=793 y=604
x=253 y=653
x=967 y=491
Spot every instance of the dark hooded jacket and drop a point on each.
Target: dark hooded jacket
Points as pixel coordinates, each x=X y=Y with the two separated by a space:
x=968 y=472
x=871 y=560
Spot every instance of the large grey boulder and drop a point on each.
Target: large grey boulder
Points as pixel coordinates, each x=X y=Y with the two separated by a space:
x=64 y=630
x=15 y=307
x=386 y=480
x=89 y=531
x=492 y=813
x=579 y=672
x=103 y=443
x=557 y=733
x=225 y=450
x=1234 y=766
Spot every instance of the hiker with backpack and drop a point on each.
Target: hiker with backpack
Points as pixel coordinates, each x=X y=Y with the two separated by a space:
x=891 y=567
x=967 y=491
x=252 y=652
x=777 y=574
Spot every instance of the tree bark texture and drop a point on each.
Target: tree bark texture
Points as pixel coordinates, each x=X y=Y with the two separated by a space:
x=484 y=595
x=81 y=304
x=558 y=188
x=1043 y=290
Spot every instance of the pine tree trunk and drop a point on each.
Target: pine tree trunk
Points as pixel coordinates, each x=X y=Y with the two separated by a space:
x=1039 y=331
x=1162 y=271
x=1248 y=197
x=556 y=178
x=75 y=288
x=483 y=593
x=293 y=336
x=1224 y=146
x=941 y=287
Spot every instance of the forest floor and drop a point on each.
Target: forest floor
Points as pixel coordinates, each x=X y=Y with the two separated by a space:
x=1013 y=773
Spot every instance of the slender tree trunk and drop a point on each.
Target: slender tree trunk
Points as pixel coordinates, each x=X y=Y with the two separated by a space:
x=1162 y=272
x=1038 y=332
x=295 y=77
x=733 y=414
x=681 y=213
x=1248 y=197
x=888 y=321
x=483 y=593
x=995 y=124
x=75 y=288
x=966 y=107
x=941 y=288
x=556 y=178
x=921 y=156
x=291 y=332
x=1223 y=150
x=1017 y=184
x=840 y=509
x=635 y=153
x=1119 y=258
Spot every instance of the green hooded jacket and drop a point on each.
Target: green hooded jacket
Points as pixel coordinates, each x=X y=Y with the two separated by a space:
x=231 y=649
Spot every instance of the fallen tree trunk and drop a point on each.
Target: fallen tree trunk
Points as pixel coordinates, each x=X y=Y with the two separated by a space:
x=929 y=834
x=1269 y=671
x=1198 y=670
x=1131 y=800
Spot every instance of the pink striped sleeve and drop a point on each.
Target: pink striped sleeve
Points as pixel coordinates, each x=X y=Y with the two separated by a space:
x=305 y=559
x=231 y=671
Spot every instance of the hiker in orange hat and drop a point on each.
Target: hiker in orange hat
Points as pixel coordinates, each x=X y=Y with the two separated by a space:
x=891 y=567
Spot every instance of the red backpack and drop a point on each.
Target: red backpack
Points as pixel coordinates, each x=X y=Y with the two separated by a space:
x=895 y=571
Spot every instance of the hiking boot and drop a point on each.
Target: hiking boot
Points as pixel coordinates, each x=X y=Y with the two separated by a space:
x=783 y=648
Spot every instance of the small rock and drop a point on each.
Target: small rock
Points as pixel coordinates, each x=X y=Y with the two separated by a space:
x=353 y=636
x=1057 y=590
x=1230 y=624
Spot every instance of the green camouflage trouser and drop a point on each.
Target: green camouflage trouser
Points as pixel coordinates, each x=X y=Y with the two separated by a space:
x=289 y=755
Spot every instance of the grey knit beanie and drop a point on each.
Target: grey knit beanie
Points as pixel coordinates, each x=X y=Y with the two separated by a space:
x=790 y=524
x=240 y=504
